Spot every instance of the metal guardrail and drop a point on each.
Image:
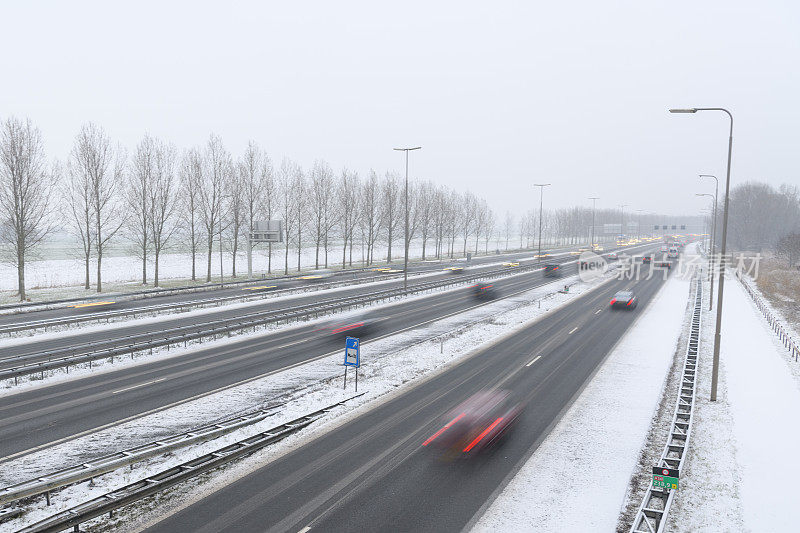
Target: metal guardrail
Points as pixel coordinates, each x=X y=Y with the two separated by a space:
x=108 y=463
x=652 y=513
x=778 y=326
x=183 y=306
x=64 y=358
x=138 y=490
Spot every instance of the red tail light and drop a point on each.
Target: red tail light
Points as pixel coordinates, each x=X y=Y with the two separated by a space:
x=630 y=301
x=483 y=434
x=613 y=301
x=453 y=421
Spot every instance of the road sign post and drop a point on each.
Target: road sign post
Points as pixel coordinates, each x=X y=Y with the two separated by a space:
x=665 y=478
x=352 y=357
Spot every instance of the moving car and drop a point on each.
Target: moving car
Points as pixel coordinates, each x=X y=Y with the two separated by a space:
x=477 y=424
x=511 y=264
x=454 y=269
x=613 y=256
x=624 y=300
x=317 y=275
x=552 y=271
x=673 y=253
x=350 y=325
x=483 y=291
x=646 y=259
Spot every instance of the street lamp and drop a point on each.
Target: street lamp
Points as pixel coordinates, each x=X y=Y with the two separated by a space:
x=711 y=251
x=714 y=230
x=594 y=205
x=717 y=335
x=541 y=197
x=622 y=218
x=405 y=261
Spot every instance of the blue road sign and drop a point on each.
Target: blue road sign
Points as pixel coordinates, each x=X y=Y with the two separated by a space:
x=352 y=352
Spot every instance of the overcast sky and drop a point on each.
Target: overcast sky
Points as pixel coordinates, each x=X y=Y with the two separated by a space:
x=500 y=95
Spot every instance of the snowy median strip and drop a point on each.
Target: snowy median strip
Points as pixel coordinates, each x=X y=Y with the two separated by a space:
x=568 y=483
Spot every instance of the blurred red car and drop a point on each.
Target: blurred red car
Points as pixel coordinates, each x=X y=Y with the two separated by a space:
x=476 y=424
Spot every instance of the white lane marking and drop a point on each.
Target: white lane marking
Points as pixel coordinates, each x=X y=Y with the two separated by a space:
x=139 y=385
x=598 y=311
x=573 y=330
x=307 y=528
x=534 y=360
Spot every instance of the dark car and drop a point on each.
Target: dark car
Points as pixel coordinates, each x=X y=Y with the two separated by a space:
x=646 y=259
x=477 y=424
x=624 y=300
x=552 y=271
x=483 y=291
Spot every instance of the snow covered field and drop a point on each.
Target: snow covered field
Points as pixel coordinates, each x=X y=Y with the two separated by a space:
x=742 y=469
x=553 y=491
x=386 y=368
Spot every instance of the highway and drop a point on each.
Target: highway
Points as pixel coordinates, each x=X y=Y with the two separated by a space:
x=129 y=302
x=372 y=473
x=82 y=342
x=36 y=417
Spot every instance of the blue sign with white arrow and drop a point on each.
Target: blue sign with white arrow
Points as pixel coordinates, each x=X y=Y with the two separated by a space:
x=352 y=352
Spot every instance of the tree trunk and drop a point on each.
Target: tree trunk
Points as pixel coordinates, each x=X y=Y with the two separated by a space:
x=99 y=264
x=86 y=284
x=210 y=251
x=21 y=272
x=269 y=259
x=155 y=270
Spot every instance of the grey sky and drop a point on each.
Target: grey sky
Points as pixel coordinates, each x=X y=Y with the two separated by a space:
x=499 y=94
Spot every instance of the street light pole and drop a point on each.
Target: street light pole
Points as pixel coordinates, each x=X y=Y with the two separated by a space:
x=541 y=199
x=711 y=253
x=713 y=237
x=622 y=218
x=405 y=260
x=717 y=334
x=594 y=205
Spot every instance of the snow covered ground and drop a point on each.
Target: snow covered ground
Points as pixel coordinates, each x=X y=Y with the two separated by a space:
x=742 y=469
x=555 y=490
x=386 y=368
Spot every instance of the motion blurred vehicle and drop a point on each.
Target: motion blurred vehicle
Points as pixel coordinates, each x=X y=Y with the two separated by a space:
x=456 y=269
x=646 y=259
x=317 y=275
x=624 y=300
x=89 y=307
x=673 y=253
x=260 y=288
x=664 y=248
x=476 y=425
x=483 y=291
x=349 y=325
x=511 y=264
x=598 y=248
x=613 y=256
x=552 y=271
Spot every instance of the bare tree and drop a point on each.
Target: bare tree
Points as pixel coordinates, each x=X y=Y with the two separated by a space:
x=163 y=201
x=424 y=210
x=370 y=203
x=101 y=166
x=469 y=216
x=290 y=205
x=391 y=208
x=78 y=212
x=255 y=170
x=321 y=189
x=236 y=210
x=137 y=195
x=347 y=193
x=508 y=227
x=191 y=174
x=788 y=248
x=211 y=190
x=25 y=187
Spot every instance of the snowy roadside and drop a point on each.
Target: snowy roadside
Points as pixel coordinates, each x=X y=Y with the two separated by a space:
x=741 y=471
x=386 y=368
x=603 y=429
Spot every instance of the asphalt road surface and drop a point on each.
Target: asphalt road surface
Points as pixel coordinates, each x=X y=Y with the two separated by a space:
x=372 y=473
x=47 y=414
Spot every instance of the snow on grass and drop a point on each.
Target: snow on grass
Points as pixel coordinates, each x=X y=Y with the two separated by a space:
x=742 y=469
x=577 y=479
x=386 y=367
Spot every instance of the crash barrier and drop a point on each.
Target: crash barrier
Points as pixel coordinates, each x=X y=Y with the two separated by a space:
x=106 y=316
x=778 y=326
x=39 y=362
x=651 y=516
x=152 y=484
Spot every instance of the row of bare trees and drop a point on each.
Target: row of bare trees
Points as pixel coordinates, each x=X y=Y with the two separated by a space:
x=156 y=199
